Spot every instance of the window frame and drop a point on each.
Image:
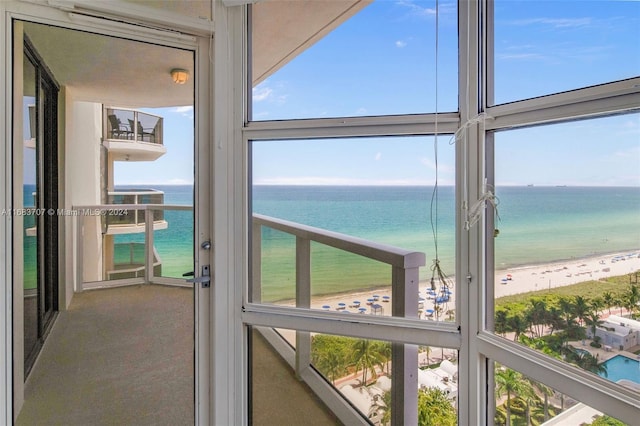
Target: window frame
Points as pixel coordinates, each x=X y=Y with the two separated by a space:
x=595 y=101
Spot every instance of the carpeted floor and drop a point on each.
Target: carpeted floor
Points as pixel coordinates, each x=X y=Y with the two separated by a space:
x=121 y=356
x=124 y=356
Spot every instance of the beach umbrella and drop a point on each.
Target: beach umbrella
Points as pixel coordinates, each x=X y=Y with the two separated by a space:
x=326 y=307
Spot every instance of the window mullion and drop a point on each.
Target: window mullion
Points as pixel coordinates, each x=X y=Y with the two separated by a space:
x=588 y=102
x=471 y=401
x=395 y=329
x=352 y=127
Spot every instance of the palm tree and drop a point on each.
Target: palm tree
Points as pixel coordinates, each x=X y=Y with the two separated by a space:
x=365 y=356
x=554 y=319
x=511 y=383
x=597 y=303
x=608 y=300
x=384 y=351
x=501 y=322
x=580 y=308
x=332 y=364
x=537 y=315
x=590 y=363
x=546 y=392
x=630 y=298
x=566 y=306
x=593 y=321
x=435 y=409
x=518 y=325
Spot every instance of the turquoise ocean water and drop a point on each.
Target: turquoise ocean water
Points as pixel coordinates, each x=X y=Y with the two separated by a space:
x=538 y=224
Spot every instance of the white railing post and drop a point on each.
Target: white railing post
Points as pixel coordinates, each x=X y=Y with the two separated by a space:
x=303 y=300
x=256 y=263
x=148 y=245
x=79 y=253
x=404 y=373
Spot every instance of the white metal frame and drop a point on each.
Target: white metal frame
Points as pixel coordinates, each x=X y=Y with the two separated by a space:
x=479 y=347
x=596 y=101
x=393 y=329
x=179 y=32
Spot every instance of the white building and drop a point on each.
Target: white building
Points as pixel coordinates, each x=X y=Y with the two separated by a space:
x=619 y=332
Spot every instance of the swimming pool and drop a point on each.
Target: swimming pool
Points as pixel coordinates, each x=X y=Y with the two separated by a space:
x=621 y=367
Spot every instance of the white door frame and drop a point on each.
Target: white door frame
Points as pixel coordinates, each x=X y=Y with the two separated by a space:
x=200 y=43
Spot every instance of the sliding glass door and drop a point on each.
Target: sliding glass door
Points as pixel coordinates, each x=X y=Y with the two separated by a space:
x=40 y=203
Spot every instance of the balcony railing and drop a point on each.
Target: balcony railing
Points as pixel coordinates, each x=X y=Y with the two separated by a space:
x=146 y=268
x=404 y=294
x=129 y=261
x=131 y=125
x=404 y=265
x=135 y=217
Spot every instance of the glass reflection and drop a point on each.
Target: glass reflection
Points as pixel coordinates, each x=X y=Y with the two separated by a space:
x=30 y=242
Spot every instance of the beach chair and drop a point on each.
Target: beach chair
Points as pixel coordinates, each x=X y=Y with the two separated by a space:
x=142 y=132
x=118 y=130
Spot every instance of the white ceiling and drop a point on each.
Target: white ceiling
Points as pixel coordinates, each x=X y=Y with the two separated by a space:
x=126 y=73
x=112 y=70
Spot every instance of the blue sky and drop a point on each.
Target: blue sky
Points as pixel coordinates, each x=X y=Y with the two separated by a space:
x=382 y=61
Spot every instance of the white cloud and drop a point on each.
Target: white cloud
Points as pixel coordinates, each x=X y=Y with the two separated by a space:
x=416 y=9
x=261 y=93
x=555 y=22
x=400 y=44
x=185 y=111
x=378 y=156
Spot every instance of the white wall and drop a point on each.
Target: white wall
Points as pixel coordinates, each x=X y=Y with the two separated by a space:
x=83 y=182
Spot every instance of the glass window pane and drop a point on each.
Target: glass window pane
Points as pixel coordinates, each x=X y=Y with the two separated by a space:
x=522 y=400
x=318 y=59
x=567 y=256
x=377 y=189
x=349 y=370
x=546 y=47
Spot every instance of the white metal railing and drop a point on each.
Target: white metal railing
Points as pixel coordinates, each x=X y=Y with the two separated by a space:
x=405 y=266
x=134 y=265
x=102 y=210
x=134 y=196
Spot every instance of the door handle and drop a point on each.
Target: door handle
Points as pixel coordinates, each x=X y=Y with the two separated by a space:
x=204 y=279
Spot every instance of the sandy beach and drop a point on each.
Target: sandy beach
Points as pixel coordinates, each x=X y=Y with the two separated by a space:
x=509 y=281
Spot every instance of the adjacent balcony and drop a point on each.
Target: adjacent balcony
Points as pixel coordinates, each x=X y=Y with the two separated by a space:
x=131 y=135
x=121 y=220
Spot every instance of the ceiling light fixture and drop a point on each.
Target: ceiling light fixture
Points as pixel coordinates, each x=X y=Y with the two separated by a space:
x=179 y=75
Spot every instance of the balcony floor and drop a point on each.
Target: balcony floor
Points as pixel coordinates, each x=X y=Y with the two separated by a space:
x=125 y=356
x=118 y=356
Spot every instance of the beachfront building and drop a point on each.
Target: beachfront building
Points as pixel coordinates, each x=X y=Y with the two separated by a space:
x=618 y=332
x=228 y=349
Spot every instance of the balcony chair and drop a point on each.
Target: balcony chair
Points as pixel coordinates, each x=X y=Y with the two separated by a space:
x=119 y=130
x=142 y=132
